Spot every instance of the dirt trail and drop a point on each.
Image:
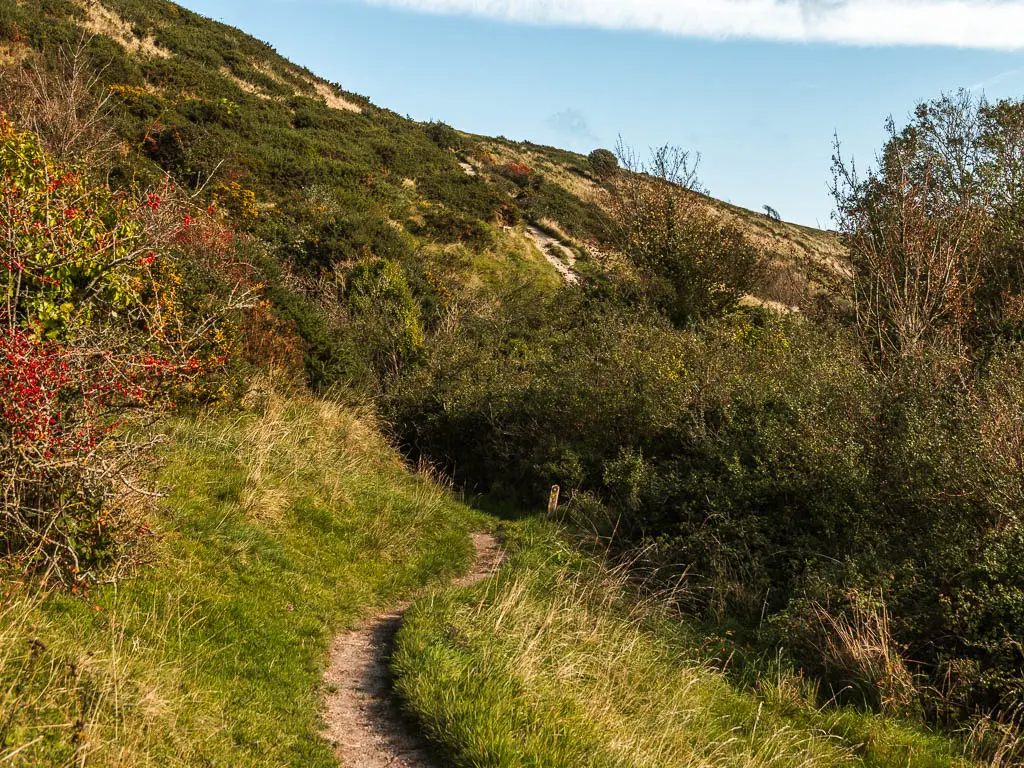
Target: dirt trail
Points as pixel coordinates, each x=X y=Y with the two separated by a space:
x=548 y=246
x=363 y=717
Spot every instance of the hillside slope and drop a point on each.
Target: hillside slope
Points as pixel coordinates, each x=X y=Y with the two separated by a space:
x=285 y=524
x=211 y=105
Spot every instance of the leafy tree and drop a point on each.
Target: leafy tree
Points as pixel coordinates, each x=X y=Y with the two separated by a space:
x=933 y=230
x=691 y=266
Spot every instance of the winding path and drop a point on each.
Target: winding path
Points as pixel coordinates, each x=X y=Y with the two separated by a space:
x=546 y=244
x=363 y=717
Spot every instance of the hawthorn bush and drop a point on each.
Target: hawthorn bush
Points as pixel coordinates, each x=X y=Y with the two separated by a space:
x=115 y=307
x=520 y=174
x=690 y=266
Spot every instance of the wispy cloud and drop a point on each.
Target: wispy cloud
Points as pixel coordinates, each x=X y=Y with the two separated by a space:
x=573 y=124
x=995 y=79
x=993 y=24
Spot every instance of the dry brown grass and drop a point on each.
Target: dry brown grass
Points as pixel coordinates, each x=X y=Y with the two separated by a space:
x=245 y=85
x=280 y=447
x=13 y=53
x=790 y=242
x=333 y=98
x=860 y=644
x=100 y=20
x=330 y=95
x=998 y=740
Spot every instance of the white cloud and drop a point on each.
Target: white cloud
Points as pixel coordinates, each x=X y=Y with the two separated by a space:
x=994 y=24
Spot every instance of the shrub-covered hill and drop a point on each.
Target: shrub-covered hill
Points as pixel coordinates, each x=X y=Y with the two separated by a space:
x=802 y=258
x=323 y=174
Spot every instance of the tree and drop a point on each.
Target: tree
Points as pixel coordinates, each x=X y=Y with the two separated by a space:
x=771 y=213
x=691 y=266
x=65 y=105
x=934 y=232
x=1000 y=300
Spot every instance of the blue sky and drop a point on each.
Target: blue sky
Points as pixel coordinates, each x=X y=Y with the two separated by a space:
x=757 y=86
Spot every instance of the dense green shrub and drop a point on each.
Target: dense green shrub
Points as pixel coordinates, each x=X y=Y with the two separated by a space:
x=603 y=163
x=468 y=195
x=689 y=265
x=386 y=313
x=444 y=136
x=757 y=455
x=448 y=227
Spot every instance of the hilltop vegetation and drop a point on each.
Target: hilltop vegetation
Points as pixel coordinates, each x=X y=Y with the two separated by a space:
x=813 y=438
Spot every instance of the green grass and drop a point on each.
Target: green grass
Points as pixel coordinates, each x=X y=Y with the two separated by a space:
x=554 y=663
x=511 y=260
x=285 y=525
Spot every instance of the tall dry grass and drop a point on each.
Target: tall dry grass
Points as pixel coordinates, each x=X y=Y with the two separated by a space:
x=860 y=644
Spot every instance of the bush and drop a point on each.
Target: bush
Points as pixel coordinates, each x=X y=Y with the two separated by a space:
x=444 y=136
x=448 y=227
x=690 y=266
x=934 y=233
x=521 y=175
x=389 y=317
x=603 y=163
x=99 y=335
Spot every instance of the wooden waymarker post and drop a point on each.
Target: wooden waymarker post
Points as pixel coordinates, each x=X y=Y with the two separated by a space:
x=553 y=500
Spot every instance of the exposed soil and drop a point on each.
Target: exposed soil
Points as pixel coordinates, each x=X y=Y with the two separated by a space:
x=363 y=717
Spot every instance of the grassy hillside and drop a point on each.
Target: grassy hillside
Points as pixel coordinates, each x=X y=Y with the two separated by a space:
x=803 y=259
x=285 y=523
x=204 y=101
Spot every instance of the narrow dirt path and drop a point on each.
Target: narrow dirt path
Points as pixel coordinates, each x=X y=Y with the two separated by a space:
x=545 y=244
x=364 y=721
